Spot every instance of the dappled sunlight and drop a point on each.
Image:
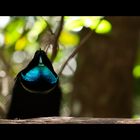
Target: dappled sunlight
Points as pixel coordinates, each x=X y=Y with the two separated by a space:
x=2 y=73
x=70 y=67
x=104 y=27
x=1 y=39
x=69 y=39
x=13 y=31
x=20 y=37
x=4 y=20
x=37 y=28
x=21 y=43
x=77 y=23
x=136 y=71
x=19 y=56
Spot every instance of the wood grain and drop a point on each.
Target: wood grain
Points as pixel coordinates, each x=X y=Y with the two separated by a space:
x=71 y=120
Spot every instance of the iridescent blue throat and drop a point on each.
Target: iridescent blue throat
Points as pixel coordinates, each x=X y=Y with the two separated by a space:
x=40 y=71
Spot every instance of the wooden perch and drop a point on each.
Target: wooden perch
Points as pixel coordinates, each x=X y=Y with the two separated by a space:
x=71 y=120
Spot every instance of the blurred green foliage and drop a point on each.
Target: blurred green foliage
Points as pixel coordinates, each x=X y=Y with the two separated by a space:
x=20 y=37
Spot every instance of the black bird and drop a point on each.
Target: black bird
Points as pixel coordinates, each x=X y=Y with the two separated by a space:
x=36 y=92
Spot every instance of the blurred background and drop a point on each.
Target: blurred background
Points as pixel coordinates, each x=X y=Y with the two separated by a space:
x=101 y=80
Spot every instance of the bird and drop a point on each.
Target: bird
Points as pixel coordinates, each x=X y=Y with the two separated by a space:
x=36 y=91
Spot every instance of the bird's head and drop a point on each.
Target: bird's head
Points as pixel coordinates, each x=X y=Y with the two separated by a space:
x=39 y=75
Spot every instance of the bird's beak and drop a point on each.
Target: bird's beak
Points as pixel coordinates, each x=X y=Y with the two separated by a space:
x=40 y=61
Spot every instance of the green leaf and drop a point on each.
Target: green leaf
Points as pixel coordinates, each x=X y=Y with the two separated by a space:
x=91 y=21
x=76 y=23
x=104 y=27
x=37 y=28
x=73 y=23
x=21 y=43
x=59 y=56
x=13 y=31
x=136 y=71
x=69 y=39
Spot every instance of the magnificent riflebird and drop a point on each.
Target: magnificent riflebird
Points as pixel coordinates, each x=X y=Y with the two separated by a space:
x=36 y=92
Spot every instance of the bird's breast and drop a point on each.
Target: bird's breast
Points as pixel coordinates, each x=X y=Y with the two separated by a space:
x=40 y=73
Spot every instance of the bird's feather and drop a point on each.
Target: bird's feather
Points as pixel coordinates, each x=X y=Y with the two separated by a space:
x=36 y=92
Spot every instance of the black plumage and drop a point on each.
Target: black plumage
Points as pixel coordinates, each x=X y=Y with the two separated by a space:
x=36 y=92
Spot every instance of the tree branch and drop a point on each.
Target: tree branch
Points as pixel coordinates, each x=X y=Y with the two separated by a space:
x=8 y=66
x=71 y=120
x=78 y=48
x=75 y=51
x=57 y=34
